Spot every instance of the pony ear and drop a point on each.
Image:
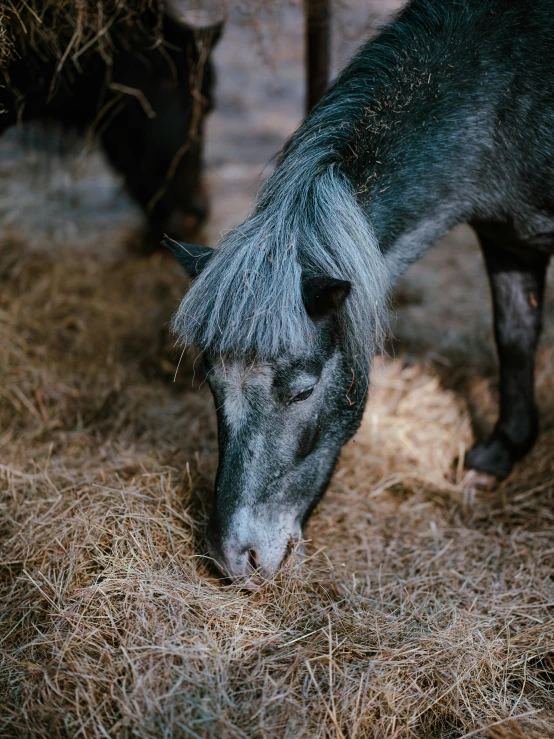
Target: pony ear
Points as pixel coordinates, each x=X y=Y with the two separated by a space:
x=191 y=257
x=324 y=295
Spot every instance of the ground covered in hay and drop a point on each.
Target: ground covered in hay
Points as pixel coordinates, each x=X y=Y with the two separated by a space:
x=424 y=607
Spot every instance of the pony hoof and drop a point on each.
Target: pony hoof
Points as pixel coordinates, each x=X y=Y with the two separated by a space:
x=491 y=457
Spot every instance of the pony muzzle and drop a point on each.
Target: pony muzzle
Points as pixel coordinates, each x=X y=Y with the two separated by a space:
x=251 y=549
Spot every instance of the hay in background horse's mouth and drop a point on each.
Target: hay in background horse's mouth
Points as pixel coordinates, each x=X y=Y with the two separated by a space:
x=65 y=30
x=69 y=33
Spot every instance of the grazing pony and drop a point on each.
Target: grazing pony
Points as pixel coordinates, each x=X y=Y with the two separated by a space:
x=447 y=117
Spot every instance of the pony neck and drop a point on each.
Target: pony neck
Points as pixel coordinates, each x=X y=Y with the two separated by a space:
x=406 y=124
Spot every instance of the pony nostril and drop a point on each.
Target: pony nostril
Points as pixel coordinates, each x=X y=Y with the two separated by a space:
x=253 y=559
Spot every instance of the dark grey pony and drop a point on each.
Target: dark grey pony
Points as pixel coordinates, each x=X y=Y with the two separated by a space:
x=446 y=118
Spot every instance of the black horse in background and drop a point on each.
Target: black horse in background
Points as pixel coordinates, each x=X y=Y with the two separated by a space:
x=146 y=102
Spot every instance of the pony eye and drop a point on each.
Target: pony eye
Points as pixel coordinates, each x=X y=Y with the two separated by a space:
x=304 y=395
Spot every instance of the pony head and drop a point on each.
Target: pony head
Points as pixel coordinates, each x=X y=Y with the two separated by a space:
x=287 y=313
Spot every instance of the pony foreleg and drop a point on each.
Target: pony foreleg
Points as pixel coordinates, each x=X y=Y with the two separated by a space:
x=517 y=284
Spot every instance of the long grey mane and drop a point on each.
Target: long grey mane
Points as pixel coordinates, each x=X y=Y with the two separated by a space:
x=307 y=220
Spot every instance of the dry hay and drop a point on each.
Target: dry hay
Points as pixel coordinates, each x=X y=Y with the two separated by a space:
x=5 y=39
x=421 y=610
x=64 y=33
x=72 y=30
x=66 y=29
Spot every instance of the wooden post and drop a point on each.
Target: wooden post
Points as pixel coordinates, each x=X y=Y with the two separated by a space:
x=318 y=54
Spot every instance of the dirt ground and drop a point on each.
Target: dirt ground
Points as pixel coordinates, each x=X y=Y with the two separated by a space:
x=424 y=607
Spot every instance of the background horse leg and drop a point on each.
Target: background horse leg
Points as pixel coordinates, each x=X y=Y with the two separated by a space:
x=161 y=160
x=517 y=285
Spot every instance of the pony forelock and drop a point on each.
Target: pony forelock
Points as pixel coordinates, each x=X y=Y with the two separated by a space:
x=248 y=299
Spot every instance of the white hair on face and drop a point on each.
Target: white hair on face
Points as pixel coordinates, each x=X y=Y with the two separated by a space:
x=233 y=379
